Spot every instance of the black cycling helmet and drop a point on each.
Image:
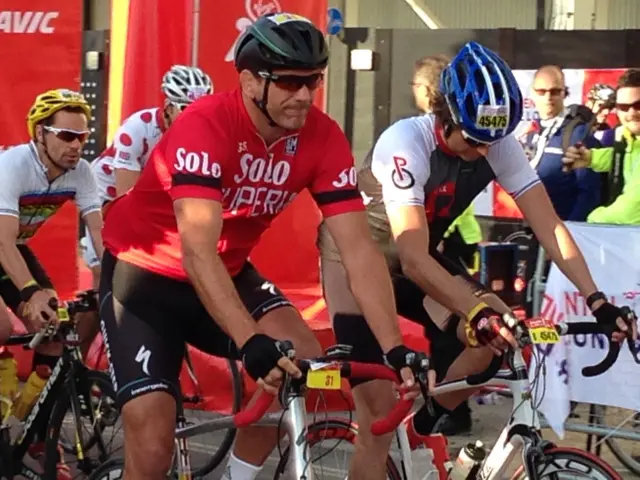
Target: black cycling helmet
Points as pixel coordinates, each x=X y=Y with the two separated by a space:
x=281 y=41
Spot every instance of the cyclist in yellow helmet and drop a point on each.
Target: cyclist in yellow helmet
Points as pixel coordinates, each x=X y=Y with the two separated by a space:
x=36 y=179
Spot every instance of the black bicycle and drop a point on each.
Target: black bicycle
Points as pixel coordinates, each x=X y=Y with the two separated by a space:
x=71 y=387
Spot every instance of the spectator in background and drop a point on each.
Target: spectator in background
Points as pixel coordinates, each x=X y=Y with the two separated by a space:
x=463 y=236
x=623 y=206
x=576 y=194
x=601 y=100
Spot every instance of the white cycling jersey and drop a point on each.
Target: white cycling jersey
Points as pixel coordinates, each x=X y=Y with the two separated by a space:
x=25 y=191
x=130 y=149
x=404 y=163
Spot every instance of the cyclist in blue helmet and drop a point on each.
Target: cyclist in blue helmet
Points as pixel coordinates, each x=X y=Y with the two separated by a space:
x=482 y=95
x=423 y=173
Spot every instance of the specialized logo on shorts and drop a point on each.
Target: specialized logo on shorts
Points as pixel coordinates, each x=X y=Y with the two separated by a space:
x=400 y=176
x=142 y=357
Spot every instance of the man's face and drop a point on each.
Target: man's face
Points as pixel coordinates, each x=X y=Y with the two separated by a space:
x=548 y=94
x=65 y=137
x=628 y=108
x=291 y=94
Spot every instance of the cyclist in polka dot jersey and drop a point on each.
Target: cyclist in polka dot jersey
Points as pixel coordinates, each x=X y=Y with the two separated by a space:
x=117 y=169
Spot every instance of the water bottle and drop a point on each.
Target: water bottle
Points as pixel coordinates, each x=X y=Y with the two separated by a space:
x=31 y=391
x=468 y=462
x=8 y=380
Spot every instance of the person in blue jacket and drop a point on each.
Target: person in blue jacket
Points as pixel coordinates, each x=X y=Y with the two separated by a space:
x=575 y=194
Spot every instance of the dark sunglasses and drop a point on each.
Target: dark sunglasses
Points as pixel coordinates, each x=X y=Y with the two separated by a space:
x=472 y=142
x=67 y=135
x=293 y=83
x=625 y=107
x=553 y=91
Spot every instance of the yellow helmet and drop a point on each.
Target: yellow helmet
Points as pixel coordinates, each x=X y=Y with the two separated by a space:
x=50 y=102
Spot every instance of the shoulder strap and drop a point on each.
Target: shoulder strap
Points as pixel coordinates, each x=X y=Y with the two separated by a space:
x=616 y=177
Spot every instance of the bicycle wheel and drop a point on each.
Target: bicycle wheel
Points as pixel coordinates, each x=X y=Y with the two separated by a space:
x=626 y=451
x=198 y=415
x=561 y=463
x=94 y=410
x=338 y=431
x=110 y=470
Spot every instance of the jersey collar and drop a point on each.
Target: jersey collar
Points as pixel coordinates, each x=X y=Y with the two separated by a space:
x=36 y=157
x=247 y=119
x=442 y=143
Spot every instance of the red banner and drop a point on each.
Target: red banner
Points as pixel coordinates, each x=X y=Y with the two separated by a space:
x=286 y=254
x=159 y=36
x=40 y=48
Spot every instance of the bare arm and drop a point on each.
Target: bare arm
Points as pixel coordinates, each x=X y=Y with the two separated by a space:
x=125 y=180
x=93 y=220
x=368 y=276
x=10 y=257
x=555 y=238
x=200 y=224
x=411 y=232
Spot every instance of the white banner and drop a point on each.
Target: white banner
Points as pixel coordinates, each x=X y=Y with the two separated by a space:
x=613 y=256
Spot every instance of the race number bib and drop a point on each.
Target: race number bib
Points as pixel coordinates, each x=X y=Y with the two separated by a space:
x=489 y=116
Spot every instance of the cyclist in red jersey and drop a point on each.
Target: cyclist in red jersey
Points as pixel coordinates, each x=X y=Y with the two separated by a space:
x=225 y=169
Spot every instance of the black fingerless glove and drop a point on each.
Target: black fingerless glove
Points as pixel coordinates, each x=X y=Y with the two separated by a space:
x=260 y=355
x=607 y=314
x=402 y=357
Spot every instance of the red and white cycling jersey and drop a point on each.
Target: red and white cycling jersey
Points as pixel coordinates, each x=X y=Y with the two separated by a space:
x=213 y=151
x=132 y=144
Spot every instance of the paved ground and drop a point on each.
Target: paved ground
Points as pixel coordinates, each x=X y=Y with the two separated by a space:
x=488 y=421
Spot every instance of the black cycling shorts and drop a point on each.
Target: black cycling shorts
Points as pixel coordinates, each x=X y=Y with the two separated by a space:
x=147 y=319
x=9 y=292
x=445 y=345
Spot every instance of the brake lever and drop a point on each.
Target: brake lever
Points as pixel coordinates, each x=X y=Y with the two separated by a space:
x=631 y=320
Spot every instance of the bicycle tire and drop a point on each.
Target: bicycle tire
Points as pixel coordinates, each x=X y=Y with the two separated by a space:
x=572 y=456
x=632 y=463
x=58 y=413
x=331 y=428
x=220 y=454
x=112 y=469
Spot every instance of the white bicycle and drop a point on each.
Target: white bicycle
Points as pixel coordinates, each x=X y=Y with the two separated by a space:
x=303 y=457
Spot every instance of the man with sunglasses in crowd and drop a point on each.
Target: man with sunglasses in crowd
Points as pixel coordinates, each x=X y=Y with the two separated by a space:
x=176 y=267
x=424 y=172
x=117 y=169
x=623 y=156
x=36 y=179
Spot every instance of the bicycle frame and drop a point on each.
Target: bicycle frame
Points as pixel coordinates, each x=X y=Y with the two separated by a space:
x=292 y=420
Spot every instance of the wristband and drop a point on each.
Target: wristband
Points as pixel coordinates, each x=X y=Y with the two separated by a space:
x=28 y=290
x=594 y=297
x=475 y=310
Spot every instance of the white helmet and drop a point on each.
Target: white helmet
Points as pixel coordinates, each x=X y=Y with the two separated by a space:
x=183 y=85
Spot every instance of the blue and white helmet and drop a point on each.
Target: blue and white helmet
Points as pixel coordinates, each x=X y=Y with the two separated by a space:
x=482 y=94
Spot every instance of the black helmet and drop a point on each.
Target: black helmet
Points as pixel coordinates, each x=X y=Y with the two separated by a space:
x=281 y=41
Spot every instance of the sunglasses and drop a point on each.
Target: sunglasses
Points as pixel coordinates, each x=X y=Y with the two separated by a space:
x=625 y=107
x=472 y=142
x=293 y=83
x=554 y=92
x=67 y=135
